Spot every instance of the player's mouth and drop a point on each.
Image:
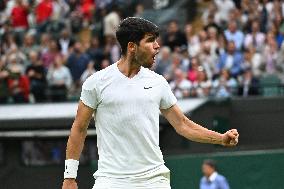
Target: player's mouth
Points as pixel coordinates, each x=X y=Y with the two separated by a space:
x=154 y=56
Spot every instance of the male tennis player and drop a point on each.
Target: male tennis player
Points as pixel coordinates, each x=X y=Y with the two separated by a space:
x=126 y=99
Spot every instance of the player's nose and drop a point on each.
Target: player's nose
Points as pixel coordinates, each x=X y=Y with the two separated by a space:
x=156 y=45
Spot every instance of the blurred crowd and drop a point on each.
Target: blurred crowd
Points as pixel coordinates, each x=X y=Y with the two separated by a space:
x=49 y=47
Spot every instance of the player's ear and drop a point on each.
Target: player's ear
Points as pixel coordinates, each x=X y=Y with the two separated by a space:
x=131 y=47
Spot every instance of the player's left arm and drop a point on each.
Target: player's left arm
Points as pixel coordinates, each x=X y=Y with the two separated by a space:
x=195 y=132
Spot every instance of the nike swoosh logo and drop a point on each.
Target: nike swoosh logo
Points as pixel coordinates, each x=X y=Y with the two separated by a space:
x=147 y=87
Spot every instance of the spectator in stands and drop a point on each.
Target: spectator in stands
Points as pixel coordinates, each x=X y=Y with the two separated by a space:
x=202 y=86
x=248 y=84
x=253 y=59
x=15 y=60
x=48 y=58
x=111 y=49
x=180 y=85
x=234 y=34
x=4 y=74
x=231 y=59
x=164 y=62
x=111 y=22
x=19 y=18
x=37 y=76
x=224 y=86
x=139 y=10
x=95 y=51
x=29 y=44
x=255 y=38
x=105 y=63
x=208 y=60
x=18 y=84
x=212 y=39
x=270 y=53
x=193 y=44
x=223 y=9
x=88 y=72
x=193 y=69
x=43 y=12
x=44 y=43
x=212 y=179
x=174 y=38
x=66 y=41
x=77 y=63
x=59 y=80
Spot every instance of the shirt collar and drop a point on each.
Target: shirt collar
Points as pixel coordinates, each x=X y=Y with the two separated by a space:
x=213 y=176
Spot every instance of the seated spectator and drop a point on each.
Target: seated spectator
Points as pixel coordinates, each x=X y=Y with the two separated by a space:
x=193 y=44
x=248 y=84
x=37 y=76
x=208 y=60
x=4 y=74
x=193 y=69
x=105 y=63
x=202 y=86
x=88 y=72
x=255 y=38
x=96 y=53
x=18 y=84
x=48 y=57
x=180 y=85
x=65 y=41
x=235 y=35
x=29 y=44
x=174 y=38
x=270 y=54
x=231 y=60
x=77 y=63
x=224 y=86
x=164 y=62
x=59 y=80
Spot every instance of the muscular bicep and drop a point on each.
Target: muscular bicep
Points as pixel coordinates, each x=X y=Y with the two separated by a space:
x=175 y=116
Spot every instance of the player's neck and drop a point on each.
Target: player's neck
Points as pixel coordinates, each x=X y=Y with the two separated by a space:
x=128 y=66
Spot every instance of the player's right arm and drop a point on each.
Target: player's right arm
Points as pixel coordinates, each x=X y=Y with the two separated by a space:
x=76 y=139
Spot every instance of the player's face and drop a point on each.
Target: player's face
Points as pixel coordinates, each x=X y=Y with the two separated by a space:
x=147 y=49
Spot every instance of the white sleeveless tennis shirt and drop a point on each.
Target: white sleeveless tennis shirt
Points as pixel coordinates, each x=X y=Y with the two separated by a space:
x=127 y=120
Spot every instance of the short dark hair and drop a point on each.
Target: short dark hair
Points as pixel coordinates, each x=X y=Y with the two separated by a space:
x=133 y=29
x=211 y=163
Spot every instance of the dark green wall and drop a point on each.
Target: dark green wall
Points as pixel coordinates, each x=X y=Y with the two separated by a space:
x=244 y=170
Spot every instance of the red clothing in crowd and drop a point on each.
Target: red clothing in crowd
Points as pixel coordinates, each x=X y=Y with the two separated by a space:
x=43 y=11
x=87 y=8
x=20 y=85
x=19 y=16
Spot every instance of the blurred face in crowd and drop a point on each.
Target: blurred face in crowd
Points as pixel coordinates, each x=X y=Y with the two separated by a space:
x=28 y=40
x=172 y=27
x=212 y=33
x=232 y=26
x=33 y=57
x=207 y=170
x=179 y=75
x=165 y=53
x=255 y=27
x=231 y=47
x=201 y=74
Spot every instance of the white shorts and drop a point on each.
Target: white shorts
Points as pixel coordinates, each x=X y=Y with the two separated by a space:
x=161 y=181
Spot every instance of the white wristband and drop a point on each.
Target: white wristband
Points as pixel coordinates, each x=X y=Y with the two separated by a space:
x=71 y=168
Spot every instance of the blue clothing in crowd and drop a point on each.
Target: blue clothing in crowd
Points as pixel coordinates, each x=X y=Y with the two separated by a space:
x=215 y=181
